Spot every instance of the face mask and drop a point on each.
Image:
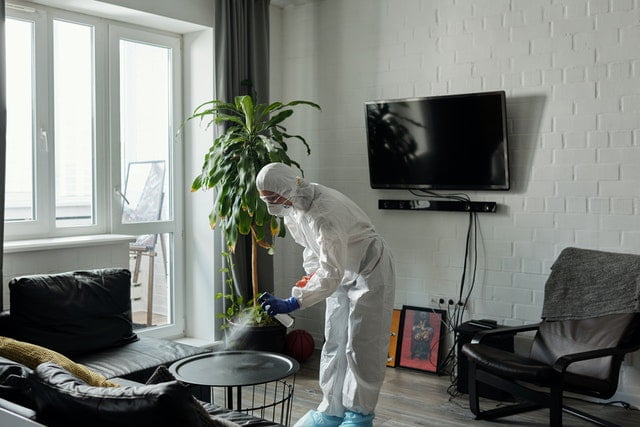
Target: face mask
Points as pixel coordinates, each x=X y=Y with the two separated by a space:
x=278 y=209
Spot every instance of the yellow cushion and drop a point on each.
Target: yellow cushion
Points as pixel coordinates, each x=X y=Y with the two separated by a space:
x=32 y=355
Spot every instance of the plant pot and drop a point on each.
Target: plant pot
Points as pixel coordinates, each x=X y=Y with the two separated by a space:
x=262 y=338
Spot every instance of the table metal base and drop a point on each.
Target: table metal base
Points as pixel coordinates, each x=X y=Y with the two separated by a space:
x=271 y=401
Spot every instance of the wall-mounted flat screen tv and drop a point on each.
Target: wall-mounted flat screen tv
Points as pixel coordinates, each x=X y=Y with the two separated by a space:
x=450 y=142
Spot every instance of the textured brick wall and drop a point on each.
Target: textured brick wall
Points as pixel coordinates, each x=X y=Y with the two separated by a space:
x=571 y=71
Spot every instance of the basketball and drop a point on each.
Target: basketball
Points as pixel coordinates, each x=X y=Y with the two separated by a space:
x=299 y=345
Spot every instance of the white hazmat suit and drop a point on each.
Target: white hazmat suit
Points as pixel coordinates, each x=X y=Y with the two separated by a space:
x=353 y=271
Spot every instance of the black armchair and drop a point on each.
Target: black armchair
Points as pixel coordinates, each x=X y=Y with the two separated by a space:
x=570 y=352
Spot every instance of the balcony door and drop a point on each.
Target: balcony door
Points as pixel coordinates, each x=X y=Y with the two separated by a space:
x=144 y=78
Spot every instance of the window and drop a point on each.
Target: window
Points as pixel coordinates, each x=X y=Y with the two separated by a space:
x=73 y=110
x=93 y=106
x=56 y=183
x=20 y=76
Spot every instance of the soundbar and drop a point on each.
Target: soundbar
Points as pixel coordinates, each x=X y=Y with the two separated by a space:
x=437 y=205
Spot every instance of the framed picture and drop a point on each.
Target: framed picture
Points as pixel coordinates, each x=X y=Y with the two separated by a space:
x=392 y=361
x=420 y=338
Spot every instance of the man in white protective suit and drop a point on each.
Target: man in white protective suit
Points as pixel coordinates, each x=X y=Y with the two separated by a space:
x=350 y=266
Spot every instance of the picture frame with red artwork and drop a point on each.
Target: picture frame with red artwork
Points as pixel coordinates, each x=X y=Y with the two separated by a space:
x=420 y=340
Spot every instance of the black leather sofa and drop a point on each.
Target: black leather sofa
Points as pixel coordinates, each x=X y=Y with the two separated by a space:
x=60 y=322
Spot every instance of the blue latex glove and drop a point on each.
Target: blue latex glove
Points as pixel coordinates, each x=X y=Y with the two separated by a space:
x=274 y=305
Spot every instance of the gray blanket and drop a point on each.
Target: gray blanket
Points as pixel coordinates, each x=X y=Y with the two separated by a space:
x=586 y=283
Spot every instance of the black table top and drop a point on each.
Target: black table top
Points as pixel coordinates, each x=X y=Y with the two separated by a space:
x=234 y=368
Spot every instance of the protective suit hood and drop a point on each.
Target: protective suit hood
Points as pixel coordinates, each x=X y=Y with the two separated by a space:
x=287 y=182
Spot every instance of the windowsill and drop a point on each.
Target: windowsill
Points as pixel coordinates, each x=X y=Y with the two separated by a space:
x=18 y=246
x=196 y=342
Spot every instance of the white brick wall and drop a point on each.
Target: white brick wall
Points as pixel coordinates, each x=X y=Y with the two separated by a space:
x=571 y=70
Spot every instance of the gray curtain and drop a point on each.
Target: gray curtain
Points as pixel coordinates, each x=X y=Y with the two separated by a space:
x=3 y=135
x=241 y=38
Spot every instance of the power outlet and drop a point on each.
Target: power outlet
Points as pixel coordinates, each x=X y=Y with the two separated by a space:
x=437 y=300
x=442 y=301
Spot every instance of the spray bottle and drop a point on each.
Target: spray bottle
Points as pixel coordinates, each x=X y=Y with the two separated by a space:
x=285 y=319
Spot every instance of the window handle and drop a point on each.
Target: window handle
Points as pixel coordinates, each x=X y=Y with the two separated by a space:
x=44 y=139
x=119 y=193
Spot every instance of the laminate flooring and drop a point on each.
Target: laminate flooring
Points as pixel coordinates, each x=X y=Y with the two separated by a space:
x=414 y=398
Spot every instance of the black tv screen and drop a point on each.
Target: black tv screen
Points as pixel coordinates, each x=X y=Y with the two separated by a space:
x=439 y=143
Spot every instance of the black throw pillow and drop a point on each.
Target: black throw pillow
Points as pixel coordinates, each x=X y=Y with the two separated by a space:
x=64 y=400
x=73 y=313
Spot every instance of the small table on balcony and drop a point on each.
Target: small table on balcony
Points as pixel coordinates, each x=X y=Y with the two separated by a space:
x=242 y=368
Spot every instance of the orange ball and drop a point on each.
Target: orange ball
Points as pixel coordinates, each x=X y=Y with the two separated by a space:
x=299 y=345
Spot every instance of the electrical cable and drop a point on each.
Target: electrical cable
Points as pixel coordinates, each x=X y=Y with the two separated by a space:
x=470 y=263
x=475 y=261
x=471 y=256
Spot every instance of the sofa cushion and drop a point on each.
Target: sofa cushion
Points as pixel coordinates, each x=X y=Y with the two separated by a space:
x=5 y=324
x=32 y=355
x=14 y=382
x=64 y=400
x=162 y=375
x=73 y=313
x=138 y=360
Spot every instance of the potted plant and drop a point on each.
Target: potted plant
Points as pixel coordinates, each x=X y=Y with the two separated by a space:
x=252 y=136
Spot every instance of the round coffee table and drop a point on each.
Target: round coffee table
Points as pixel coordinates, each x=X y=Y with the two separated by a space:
x=236 y=369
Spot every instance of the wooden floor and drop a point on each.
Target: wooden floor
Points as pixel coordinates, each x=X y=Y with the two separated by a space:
x=414 y=398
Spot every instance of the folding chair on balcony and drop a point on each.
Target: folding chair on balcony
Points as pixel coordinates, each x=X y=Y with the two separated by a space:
x=144 y=196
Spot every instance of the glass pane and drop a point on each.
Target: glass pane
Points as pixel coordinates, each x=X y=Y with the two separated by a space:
x=19 y=203
x=145 y=114
x=74 y=113
x=143 y=191
x=150 y=285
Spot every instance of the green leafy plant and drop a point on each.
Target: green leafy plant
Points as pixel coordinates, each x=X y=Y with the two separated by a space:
x=253 y=135
x=237 y=305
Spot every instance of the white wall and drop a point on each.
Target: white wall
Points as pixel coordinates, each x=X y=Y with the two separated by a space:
x=200 y=271
x=571 y=71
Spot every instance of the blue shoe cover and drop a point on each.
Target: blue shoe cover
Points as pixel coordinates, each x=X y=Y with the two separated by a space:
x=318 y=419
x=354 y=419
